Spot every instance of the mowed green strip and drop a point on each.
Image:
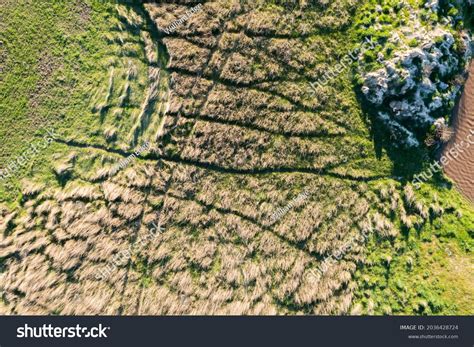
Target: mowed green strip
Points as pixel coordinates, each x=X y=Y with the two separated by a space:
x=52 y=56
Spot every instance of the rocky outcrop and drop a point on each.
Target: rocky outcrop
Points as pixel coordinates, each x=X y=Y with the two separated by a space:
x=419 y=82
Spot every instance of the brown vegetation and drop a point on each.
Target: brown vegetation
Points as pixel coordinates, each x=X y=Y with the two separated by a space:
x=238 y=135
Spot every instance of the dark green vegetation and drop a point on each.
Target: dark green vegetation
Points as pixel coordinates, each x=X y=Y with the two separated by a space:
x=237 y=134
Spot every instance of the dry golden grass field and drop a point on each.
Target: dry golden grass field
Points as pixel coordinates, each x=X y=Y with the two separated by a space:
x=195 y=170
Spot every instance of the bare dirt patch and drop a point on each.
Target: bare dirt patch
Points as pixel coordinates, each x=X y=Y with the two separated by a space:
x=46 y=68
x=461 y=169
x=81 y=16
x=3 y=58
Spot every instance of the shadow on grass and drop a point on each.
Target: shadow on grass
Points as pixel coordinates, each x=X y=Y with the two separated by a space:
x=406 y=162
